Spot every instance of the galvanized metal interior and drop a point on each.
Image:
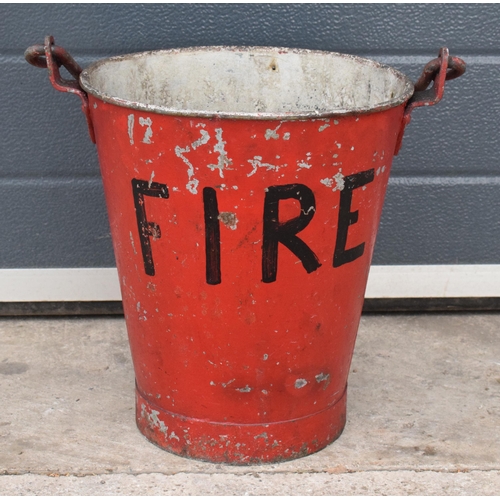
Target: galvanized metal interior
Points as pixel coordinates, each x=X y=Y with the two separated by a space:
x=247 y=82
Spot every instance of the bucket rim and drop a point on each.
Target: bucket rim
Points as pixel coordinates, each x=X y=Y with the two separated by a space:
x=403 y=97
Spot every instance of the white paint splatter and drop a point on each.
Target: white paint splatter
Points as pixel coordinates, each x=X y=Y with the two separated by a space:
x=325 y=126
x=337 y=182
x=223 y=161
x=261 y=436
x=303 y=164
x=244 y=389
x=225 y=384
x=257 y=163
x=322 y=377
x=146 y=122
x=300 y=382
x=335 y=122
x=205 y=137
x=311 y=208
x=272 y=134
x=286 y=136
x=192 y=184
x=153 y=419
x=132 y=241
x=131 y=128
x=151 y=178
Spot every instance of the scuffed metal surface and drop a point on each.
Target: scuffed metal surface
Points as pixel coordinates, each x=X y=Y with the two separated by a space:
x=317 y=88
x=234 y=444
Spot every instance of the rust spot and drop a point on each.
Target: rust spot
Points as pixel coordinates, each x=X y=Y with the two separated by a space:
x=228 y=219
x=154 y=232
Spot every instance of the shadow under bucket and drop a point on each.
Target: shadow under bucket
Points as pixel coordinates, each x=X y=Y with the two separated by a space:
x=244 y=189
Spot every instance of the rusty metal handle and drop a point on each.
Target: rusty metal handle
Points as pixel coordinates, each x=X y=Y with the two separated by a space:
x=444 y=67
x=438 y=70
x=53 y=57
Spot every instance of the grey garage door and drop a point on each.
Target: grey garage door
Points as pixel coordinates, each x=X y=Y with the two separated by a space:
x=443 y=201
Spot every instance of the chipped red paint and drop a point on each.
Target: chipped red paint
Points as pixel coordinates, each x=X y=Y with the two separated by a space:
x=226 y=353
x=243 y=249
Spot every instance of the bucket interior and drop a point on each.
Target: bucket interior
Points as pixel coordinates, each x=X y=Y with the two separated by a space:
x=247 y=82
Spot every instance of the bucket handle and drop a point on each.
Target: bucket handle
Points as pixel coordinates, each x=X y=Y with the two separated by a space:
x=52 y=57
x=444 y=67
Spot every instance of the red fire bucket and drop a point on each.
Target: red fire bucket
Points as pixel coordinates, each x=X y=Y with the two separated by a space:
x=244 y=188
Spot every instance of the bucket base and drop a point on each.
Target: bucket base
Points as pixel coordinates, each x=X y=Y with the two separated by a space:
x=240 y=444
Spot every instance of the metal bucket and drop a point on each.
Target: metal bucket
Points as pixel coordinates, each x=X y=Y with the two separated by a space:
x=244 y=188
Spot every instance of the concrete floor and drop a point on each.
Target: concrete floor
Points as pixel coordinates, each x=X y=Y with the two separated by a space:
x=423 y=416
